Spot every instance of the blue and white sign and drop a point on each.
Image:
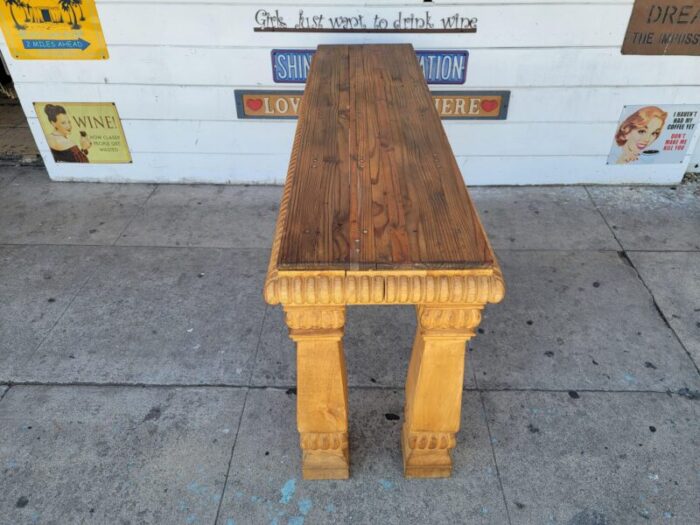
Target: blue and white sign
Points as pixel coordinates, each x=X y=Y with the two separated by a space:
x=439 y=67
x=78 y=43
x=444 y=67
x=291 y=65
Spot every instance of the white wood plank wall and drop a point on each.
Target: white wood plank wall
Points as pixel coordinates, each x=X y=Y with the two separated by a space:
x=174 y=65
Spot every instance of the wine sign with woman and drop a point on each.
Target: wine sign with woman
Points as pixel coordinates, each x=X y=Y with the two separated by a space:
x=83 y=132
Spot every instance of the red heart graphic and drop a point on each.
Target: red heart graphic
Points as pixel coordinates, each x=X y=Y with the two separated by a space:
x=254 y=103
x=489 y=105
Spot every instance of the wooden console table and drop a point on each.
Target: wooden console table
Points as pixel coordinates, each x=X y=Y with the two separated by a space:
x=375 y=211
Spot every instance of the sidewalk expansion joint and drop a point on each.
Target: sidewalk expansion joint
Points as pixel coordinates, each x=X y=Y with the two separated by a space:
x=138 y=212
x=2 y=396
x=683 y=392
x=493 y=455
x=230 y=459
x=627 y=260
x=145 y=246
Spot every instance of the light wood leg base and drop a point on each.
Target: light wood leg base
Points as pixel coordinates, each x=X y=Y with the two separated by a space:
x=325 y=455
x=426 y=454
x=322 y=393
x=434 y=388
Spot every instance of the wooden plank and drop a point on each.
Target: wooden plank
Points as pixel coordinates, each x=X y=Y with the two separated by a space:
x=407 y=159
x=348 y=4
x=221 y=168
x=518 y=67
x=171 y=103
x=444 y=232
x=389 y=193
x=388 y=222
x=232 y=25
x=480 y=139
x=357 y=153
x=316 y=232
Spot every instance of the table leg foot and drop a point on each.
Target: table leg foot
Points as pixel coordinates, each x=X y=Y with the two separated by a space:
x=325 y=455
x=427 y=454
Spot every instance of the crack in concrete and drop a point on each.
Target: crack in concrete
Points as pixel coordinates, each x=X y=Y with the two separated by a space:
x=240 y=418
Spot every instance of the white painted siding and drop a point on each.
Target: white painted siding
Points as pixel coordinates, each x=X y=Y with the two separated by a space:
x=174 y=65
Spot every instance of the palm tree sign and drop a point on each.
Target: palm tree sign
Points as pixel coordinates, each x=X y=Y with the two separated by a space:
x=11 y=4
x=25 y=6
x=79 y=3
x=67 y=5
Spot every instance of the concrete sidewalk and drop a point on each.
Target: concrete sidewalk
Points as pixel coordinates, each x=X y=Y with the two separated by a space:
x=144 y=380
x=17 y=144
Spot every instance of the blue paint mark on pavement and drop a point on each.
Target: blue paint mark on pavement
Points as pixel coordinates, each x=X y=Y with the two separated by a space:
x=203 y=491
x=288 y=490
x=194 y=487
x=388 y=485
x=305 y=506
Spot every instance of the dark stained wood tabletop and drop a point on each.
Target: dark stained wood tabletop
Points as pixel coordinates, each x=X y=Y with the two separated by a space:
x=373 y=181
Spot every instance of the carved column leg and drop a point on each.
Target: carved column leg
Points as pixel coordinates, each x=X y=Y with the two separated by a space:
x=434 y=388
x=322 y=392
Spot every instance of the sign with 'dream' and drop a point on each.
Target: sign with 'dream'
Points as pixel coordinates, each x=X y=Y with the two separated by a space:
x=453 y=105
x=663 y=27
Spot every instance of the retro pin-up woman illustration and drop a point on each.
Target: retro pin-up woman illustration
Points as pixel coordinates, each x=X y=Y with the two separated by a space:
x=638 y=131
x=62 y=147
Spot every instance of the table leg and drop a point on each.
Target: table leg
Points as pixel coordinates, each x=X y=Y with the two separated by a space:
x=434 y=388
x=322 y=392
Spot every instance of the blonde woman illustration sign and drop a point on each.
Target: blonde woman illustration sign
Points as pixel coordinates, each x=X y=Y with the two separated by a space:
x=62 y=147
x=638 y=131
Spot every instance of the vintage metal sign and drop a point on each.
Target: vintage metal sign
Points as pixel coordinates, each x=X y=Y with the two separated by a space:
x=291 y=66
x=663 y=27
x=453 y=105
x=472 y=105
x=83 y=132
x=267 y=104
x=654 y=134
x=53 y=29
x=444 y=67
